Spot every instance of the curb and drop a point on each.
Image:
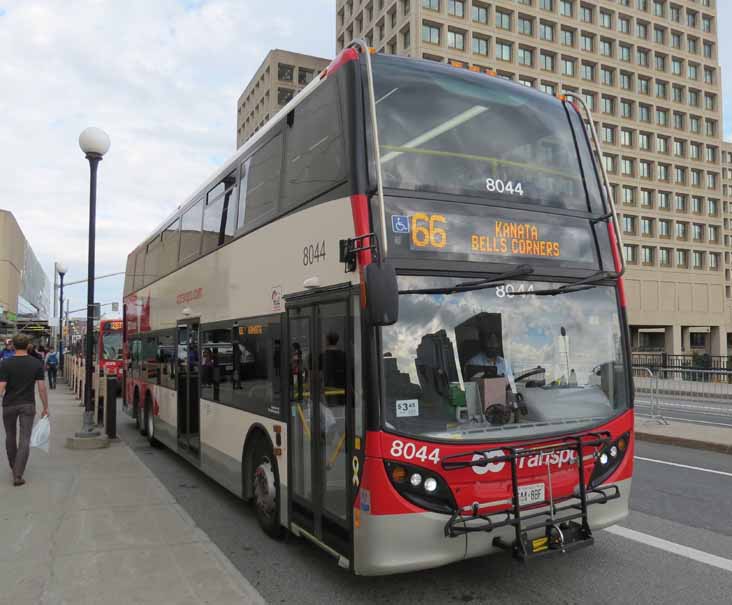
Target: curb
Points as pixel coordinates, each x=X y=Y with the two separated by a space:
x=723 y=448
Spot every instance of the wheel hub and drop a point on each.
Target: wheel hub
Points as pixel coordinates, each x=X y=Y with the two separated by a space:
x=265 y=491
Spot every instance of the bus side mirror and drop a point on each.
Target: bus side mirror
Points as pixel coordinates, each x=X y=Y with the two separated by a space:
x=382 y=294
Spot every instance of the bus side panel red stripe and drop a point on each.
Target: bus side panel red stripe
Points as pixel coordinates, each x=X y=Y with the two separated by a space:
x=617 y=261
x=348 y=55
x=362 y=226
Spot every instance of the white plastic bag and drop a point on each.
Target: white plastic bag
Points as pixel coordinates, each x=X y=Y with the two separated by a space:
x=41 y=434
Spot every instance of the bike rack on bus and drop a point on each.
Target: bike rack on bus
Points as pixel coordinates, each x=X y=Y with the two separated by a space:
x=595 y=146
x=558 y=520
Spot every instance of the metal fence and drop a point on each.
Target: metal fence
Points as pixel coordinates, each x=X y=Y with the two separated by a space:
x=694 y=384
x=645 y=380
x=696 y=361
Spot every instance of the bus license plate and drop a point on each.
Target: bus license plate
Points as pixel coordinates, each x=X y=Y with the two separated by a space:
x=531 y=494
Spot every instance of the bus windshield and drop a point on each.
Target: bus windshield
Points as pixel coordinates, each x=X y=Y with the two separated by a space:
x=450 y=130
x=497 y=364
x=112 y=345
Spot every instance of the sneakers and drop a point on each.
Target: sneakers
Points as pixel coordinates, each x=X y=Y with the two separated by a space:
x=18 y=481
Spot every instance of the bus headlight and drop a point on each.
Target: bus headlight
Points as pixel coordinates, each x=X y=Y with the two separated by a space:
x=423 y=489
x=608 y=460
x=430 y=485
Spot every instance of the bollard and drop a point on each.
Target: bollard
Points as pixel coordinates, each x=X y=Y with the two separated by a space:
x=110 y=413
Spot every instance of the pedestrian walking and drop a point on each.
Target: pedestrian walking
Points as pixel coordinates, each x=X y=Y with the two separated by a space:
x=52 y=368
x=19 y=376
x=8 y=351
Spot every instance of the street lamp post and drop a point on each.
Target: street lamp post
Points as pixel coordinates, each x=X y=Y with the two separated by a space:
x=94 y=143
x=61 y=270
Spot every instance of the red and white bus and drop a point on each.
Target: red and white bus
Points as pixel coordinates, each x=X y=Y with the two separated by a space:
x=395 y=320
x=110 y=348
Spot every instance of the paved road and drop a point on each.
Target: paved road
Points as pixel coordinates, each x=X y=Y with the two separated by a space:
x=683 y=506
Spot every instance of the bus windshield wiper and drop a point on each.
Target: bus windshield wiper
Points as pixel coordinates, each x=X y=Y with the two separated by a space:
x=582 y=284
x=480 y=284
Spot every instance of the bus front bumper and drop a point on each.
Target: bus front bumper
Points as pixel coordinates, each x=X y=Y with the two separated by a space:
x=387 y=544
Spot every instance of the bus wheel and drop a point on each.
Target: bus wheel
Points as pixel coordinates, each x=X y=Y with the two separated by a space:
x=150 y=425
x=266 y=488
x=140 y=419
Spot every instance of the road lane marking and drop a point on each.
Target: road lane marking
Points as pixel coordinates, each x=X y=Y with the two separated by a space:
x=693 y=468
x=672 y=547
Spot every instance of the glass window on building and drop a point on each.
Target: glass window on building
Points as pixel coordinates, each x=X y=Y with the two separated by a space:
x=480 y=45
x=304 y=76
x=567 y=37
x=480 y=13
x=456 y=8
x=503 y=51
x=646 y=198
x=455 y=39
x=664 y=257
x=647 y=255
x=503 y=20
x=631 y=253
x=525 y=25
x=285 y=73
x=430 y=33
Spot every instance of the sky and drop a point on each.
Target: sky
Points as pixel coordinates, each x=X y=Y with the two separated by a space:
x=162 y=79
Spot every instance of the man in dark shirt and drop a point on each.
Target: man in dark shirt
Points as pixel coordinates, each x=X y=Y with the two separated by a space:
x=19 y=376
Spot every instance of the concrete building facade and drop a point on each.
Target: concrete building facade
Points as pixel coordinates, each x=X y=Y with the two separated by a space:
x=281 y=75
x=649 y=70
x=24 y=286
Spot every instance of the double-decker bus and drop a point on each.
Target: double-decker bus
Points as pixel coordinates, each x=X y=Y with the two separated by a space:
x=110 y=348
x=395 y=320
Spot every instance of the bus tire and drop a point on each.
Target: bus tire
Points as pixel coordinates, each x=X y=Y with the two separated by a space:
x=265 y=487
x=150 y=424
x=136 y=408
x=140 y=417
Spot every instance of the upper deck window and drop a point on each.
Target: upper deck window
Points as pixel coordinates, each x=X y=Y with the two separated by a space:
x=453 y=131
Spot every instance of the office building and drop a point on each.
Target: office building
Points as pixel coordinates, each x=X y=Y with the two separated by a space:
x=649 y=70
x=280 y=76
x=24 y=286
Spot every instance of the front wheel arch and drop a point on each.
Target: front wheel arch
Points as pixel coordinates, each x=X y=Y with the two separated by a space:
x=256 y=432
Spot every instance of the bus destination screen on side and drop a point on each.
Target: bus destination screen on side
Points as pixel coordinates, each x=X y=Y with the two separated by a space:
x=483 y=233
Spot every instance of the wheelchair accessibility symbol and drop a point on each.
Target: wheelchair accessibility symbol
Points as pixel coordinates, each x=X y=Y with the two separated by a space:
x=399 y=223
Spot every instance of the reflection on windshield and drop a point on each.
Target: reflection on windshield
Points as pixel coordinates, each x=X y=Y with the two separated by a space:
x=468 y=364
x=112 y=344
x=453 y=131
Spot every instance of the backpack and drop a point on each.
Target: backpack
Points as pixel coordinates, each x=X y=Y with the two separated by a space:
x=52 y=359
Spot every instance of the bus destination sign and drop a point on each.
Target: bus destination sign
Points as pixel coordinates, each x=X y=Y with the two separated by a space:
x=482 y=233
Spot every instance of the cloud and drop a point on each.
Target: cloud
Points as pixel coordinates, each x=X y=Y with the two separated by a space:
x=162 y=78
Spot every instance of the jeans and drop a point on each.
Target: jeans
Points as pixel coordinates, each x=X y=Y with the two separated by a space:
x=52 y=371
x=18 y=447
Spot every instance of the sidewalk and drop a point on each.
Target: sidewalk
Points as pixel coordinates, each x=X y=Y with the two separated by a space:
x=685 y=434
x=97 y=527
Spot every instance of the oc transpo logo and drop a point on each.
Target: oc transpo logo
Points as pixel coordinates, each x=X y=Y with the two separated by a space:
x=556 y=458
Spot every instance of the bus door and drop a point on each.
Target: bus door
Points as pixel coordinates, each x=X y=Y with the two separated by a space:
x=320 y=360
x=189 y=438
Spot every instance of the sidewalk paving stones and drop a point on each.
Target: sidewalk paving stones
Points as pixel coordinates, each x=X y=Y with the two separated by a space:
x=97 y=526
